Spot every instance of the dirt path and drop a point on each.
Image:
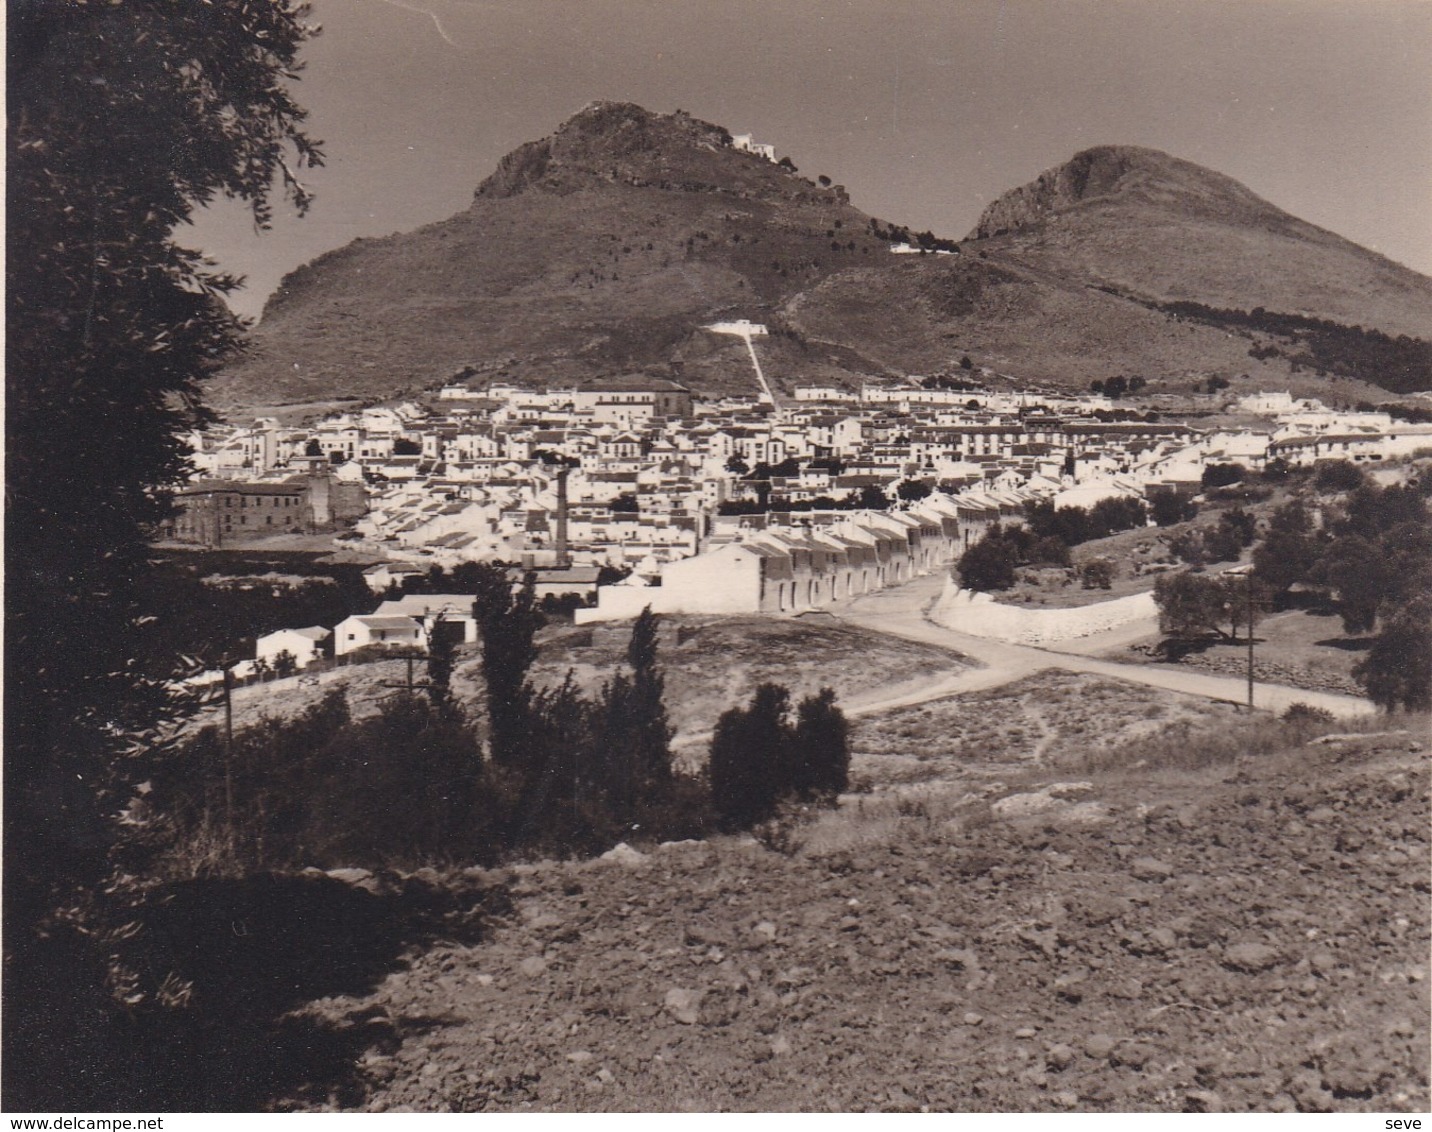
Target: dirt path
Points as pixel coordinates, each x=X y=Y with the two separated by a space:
x=901 y=612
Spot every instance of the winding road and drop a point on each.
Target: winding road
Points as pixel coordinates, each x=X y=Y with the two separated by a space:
x=900 y=612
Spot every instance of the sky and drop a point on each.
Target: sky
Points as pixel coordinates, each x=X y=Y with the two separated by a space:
x=926 y=110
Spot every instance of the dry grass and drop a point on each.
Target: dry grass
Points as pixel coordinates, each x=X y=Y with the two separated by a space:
x=1186 y=747
x=1050 y=719
x=864 y=822
x=722 y=659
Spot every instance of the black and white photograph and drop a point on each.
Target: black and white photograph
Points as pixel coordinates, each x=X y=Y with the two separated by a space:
x=717 y=556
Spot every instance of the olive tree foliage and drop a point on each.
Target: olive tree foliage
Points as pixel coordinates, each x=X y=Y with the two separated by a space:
x=123 y=117
x=1397 y=671
x=1193 y=605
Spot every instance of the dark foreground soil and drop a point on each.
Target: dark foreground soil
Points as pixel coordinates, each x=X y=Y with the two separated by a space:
x=1253 y=937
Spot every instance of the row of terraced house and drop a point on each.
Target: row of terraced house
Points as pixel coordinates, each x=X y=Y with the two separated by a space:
x=779 y=563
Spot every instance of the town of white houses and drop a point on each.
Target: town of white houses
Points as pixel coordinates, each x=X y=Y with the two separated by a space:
x=633 y=492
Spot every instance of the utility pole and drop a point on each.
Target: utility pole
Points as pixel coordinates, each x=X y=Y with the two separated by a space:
x=229 y=750
x=409 y=684
x=1248 y=586
x=1246 y=572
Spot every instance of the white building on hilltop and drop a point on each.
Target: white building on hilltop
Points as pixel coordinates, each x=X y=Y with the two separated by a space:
x=747 y=144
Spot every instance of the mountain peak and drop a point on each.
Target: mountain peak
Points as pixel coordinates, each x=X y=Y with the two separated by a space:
x=621 y=142
x=1130 y=175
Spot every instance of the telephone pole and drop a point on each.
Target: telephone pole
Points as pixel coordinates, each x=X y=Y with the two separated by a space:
x=1248 y=587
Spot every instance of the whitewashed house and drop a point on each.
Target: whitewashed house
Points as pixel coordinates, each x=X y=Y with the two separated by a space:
x=358 y=632
x=304 y=645
x=429 y=609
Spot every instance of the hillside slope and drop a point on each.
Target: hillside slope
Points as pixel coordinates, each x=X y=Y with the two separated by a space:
x=605 y=247
x=1147 y=224
x=1250 y=937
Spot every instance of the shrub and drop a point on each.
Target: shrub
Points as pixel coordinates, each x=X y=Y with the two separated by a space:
x=1098 y=573
x=759 y=760
x=746 y=753
x=1221 y=475
x=1169 y=507
x=1337 y=476
x=989 y=564
x=1301 y=712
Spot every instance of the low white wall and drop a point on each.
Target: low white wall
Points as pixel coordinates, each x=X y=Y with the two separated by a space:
x=980 y=616
x=617 y=603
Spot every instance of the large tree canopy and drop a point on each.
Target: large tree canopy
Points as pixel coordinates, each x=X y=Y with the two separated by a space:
x=123 y=117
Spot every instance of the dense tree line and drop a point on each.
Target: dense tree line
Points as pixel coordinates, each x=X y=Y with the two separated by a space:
x=1402 y=364
x=1075 y=525
x=868 y=498
x=1224 y=541
x=1044 y=540
x=560 y=771
x=991 y=563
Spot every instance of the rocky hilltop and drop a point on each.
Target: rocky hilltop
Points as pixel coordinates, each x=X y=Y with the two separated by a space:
x=621 y=143
x=603 y=249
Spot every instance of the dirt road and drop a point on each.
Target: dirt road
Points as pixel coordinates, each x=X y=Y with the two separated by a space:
x=901 y=612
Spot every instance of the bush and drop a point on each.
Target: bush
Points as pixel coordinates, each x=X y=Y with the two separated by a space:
x=758 y=760
x=1397 y=671
x=1330 y=476
x=1221 y=475
x=989 y=564
x=747 y=750
x=1098 y=573
x=1169 y=507
x=1306 y=713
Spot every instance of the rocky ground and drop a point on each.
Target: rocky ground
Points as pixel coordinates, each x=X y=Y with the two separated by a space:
x=1250 y=937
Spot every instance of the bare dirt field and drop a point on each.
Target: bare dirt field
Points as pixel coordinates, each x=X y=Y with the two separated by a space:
x=1252 y=936
x=721 y=660
x=1052 y=719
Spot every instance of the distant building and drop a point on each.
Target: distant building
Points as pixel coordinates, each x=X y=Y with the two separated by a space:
x=452 y=610
x=383 y=575
x=823 y=393
x=781 y=568
x=747 y=144
x=354 y=633
x=626 y=399
x=304 y=645
x=221 y=512
x=578 y=580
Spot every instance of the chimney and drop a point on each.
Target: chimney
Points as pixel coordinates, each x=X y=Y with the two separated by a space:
x=562 y=559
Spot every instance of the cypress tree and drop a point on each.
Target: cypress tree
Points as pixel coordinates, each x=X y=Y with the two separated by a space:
x=507 y=622
x=820 y=766
x=651 y=730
